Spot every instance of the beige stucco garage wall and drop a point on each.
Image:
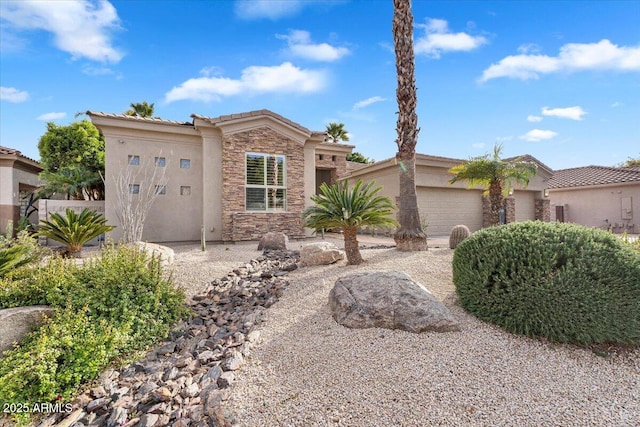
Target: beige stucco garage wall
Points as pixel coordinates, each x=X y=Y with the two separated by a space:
x=525 y=205
x=592 y=206
x=444 y=208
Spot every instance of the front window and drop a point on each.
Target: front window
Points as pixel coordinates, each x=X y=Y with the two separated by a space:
x=265 y=188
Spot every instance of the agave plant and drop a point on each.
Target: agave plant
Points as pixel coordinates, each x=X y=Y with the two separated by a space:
x=340 y=207
x=74 y=230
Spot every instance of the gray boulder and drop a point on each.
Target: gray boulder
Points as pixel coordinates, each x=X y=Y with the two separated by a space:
x=274 y=241
x=15 y=323
x=388 y=299
x=320 y=253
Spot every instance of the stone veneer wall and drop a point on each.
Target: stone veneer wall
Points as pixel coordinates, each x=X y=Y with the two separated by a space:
x=509 y=206
x=543 y=210
x=338 y=166
x=239 y=224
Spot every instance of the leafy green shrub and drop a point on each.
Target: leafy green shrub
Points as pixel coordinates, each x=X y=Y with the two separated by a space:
x=565 y=282
x=68 y=350
x=74 y=230
x=15 y=253
x=110 y=306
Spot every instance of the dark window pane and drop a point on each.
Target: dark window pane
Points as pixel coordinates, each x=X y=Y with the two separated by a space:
x=255 y=199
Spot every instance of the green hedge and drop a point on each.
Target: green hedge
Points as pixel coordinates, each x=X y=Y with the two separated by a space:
x=565 y=282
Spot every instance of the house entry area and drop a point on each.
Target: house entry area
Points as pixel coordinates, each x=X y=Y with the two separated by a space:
x=323 y=175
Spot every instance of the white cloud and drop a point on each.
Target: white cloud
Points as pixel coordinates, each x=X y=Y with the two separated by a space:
x=284 y=78
x=437 y=39
x=536 y=135
x=617 y=104
x=478 y=145
x=528 y=48
x=532 y=118
x=573 y=113
x=82 y=28
x=51 y=116
x=366 y=102
x=270 y=9
x=11 y=94
x=300 y=45
x=572 y=57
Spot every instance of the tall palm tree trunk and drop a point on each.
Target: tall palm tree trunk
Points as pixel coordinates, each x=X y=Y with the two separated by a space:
x=409 y=237
x=351 y=245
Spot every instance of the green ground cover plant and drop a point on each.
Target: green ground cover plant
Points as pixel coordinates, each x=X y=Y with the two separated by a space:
x=564 y=282
x=108 y=308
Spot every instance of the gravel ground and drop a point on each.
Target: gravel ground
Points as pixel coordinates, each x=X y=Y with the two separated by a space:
x=310 y=371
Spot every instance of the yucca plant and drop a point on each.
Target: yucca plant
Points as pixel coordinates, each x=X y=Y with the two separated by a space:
x=74 y=230
x=340 y=207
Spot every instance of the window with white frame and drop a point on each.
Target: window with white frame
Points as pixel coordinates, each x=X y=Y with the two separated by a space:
x=161 y=162
x=265 y=185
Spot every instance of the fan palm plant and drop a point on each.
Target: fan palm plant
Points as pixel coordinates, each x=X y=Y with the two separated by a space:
x=74 y=230
x=336 y=133
x=497 y=176
x=340 y=207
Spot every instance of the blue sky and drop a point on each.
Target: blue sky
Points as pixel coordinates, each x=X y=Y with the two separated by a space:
x=559 y=80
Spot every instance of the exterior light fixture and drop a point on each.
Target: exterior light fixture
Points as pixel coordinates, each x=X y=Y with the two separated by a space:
x=546 y=192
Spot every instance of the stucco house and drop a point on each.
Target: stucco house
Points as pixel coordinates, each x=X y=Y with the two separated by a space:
x=597 y=196
x=443 y=205
x=18 y=177
x=236 y=176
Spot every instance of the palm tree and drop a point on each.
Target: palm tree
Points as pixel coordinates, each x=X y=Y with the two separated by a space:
x=497 y=176
x=336 y=133
x=74 y=230
x=140 y=109
x=339 y=207
x=410 y=236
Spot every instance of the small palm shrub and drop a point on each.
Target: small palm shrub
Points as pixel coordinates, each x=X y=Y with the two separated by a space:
x=565 y=282
x=17 y=252
x=74 y=230
x=337 y=206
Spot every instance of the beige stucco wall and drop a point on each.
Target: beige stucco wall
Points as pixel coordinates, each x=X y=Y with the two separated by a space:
x=591 y=206
x=172 y=217
x=13 y=175
x=525 y=205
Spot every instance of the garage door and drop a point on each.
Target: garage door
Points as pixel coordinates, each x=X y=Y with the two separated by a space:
x=448 y=207
x=525 y=205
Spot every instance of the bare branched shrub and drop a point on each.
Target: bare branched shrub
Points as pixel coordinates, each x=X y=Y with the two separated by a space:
x=137 y=187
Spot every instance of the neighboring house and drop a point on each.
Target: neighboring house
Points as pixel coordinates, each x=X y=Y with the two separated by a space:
x=443 y=205
x=18 y=177
x=235 y=176
x=597 y=196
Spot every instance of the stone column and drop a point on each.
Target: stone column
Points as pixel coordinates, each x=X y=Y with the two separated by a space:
x=510 y=209
x=543 y=210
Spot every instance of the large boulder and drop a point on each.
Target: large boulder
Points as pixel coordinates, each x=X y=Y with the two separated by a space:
x=388 y=299
x=274 y=241
x=320 y=253
x=15 y=323
x=164 y=253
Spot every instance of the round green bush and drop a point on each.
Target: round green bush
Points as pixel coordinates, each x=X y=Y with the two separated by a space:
x=565 y=282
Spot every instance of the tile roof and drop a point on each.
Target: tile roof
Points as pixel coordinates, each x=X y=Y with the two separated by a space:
x=531 y=159
x=137 y=118
x=256 y=113
x=593 y=175
x=13 y=152
x=9 y=151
